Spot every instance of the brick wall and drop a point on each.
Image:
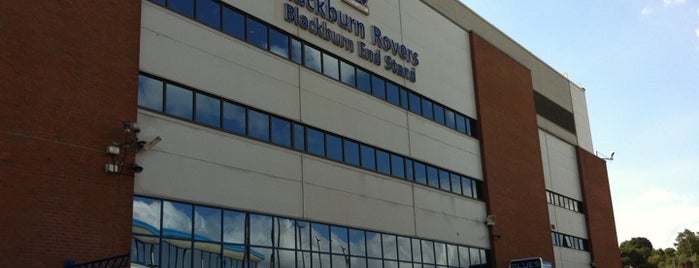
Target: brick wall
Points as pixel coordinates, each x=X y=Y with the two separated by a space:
x=69 y=77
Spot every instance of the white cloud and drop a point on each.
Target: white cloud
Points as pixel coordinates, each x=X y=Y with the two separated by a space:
x=646 y=11
x=673 y=2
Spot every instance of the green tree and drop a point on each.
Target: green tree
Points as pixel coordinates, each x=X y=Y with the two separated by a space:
x=664 y=258
x=687 y=244
x=635 y=253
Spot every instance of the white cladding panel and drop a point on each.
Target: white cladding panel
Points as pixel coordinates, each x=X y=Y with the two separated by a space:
x=560 y=166
x=570 y=258
x=582 y=121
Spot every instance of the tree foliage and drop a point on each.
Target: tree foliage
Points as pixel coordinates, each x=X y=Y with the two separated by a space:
x=635 y=253
x=639 y=253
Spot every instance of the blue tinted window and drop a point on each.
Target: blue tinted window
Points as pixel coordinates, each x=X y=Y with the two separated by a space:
x=449 y=118
x=444 y=180
x=461 y=123
x=184 y=7
x=363 y=81
x=299 y=137
x=279 y=43
x=281 y=132
x=409 y=170
x=439 y=114
x=150 y=93
x=209 y=13
x=234 y=118
x=432 y=177
x=368 y=157
x=383 y=162
x=415 y=105
x=178 y=101
x=420 y=173
x=257 y=33
x=378 y=87
x=392 y=94
x=333 y=146
x=397 y=166
x=470 y=127
x=455 y=183
x=159 y=2
x=476 y=189
x=233 y=23
x=331 y=66
x=295 y=54
x=351 y=153
x=347 y=74
x=466 y=187
x=311 y=58
x=427 y=109
x=258 y=125
x=208 y=110
x=403 y=98
x=316 y=142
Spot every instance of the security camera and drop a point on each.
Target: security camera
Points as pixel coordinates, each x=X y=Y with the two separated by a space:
x=136 y=168
x=149 y=143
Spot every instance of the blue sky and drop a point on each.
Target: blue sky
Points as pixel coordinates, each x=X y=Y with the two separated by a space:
x=639 y=63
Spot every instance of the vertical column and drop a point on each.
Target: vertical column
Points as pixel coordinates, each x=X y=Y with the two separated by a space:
x=512 y=167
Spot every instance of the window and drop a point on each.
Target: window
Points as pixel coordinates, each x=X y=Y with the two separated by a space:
x=383 y=162
x=178 y=101
x=184 y=7
x=233 y=23
x=234 y=118
x=351 y=152
x=296 y=51
x=420 y=175
x=439 y=114
x=392 y=94
x=450 y=118
x=299 y=137
x=150 y=93
x=281 y=132
x=311 y=58
x=258 y=124
x=334 y=147
x=368 y=157
x=347 y=74
x=409 y=170
x=330 y=66
x=415 y=105
x=378 y=87
x=404 y=98
x=279 y=43
x=455 y=183
x=467 y=187
x=461 y=123
x=208 y=110
x=432 y=177
x=209 y=13
x=427 y=109
x=363 y=81
x=397 y=166
x=444 y=180
x=316 y=142
x=257 y=33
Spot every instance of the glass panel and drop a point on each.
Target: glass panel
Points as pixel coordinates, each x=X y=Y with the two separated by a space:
x=259 y=125
x=184 y=7
x=409 y=175
x=207 y=224
x=304 y=235
x=420 y=175
x=373 y=244
x=363 y=81
x=159 y=2
x=279 y=43
x=179 y=101
x=404 y=250
x=392 y=94
x=299 y=137
x=415 y=105
x=233 y=227
x=334 y=147
x=390 y=264
x=467 y=190
x=427 y=109
x=281 y=132
x=383 y=162
x=476 y=188
x=208 y=110
x=455 y=183
x=146 y=216
x=432 y=177
x=449 y=117
x=234 y=118
x=475 y=256
x=287 y=258
x=440 y=252
x=209 y=13
x=397 y=168
x=463 y=257
x=460 y=123
x=150 y=93
x=316 y=142
x=339 y=241
x=285 y=233
x=233 y=23
x=175 y=253
x=406 y=265
x=303 y=259
x=427 y=252
x=311 y=58
x=351 y=153
x=444 y=180
x=378 y=87
x=439 y=114
x=390 y=249
x=320 y=237
x=358 y=262
x=417 y=253
x=331 y=67
x=257 y=33
x=260 y=257
x=261 y=230
x=357 y=246
x=453 y=255
x=295 y=55
x=177 y=220
x=368 y=157
x=404 y=98
x=347 y=74
x=374 y=263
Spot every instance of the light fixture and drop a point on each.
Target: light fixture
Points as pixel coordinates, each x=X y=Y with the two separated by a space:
x=110 y=168
x=490 y=220
x=113 y=150
x=122 y=152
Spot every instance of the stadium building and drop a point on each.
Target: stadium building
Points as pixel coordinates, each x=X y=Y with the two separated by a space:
x=290 y=133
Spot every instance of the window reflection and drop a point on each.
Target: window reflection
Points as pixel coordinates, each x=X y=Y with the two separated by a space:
x=373 y=244
x=331 y=66
x=392 y=94
x=299 y=137
x=397 y=168
x=178 y=101
x=261 y=230
x=316 y=142
x=351 y=151
x=409 y=170
x=455 y=183
x=427 y=109
x=378 y=87
x=415 y=104
x=449 y=117
x=184 y=7
x=233 y=23
x=347 y=74
x=234 y=118
x=432 y=177
x=150 y=93
x=439 y=114
x=444 y=180
x=334 y=147
x=383 y=162
x=257 y=33
x=390 y=249
x=368 y=157
x=208 y=110
x=320 y=237
x=279 y=43
x=420 y=173
x=296 y=53
x=460 y=123
x=427 y=252
x=311 y=58
x=281 y=132
x=258 y=125
x=363 y=81
x=209 y=13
